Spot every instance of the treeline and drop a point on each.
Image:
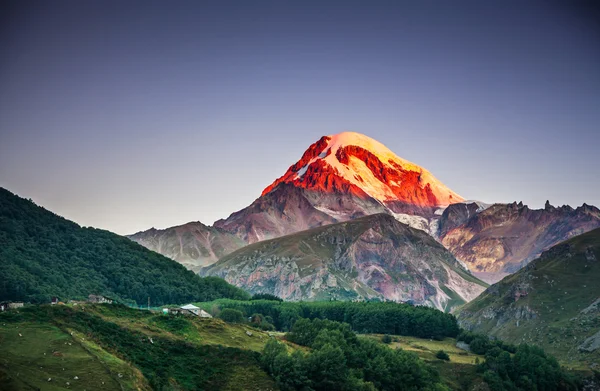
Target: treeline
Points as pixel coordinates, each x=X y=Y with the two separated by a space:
x=363 y=317
x=524 y=367
x=44 y=255
x=338 y=360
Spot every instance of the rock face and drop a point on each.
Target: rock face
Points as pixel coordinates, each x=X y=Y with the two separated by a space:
x=193 y=245
x=505 y=237
x=338 y=178
x=369 y=257
x=552 y=302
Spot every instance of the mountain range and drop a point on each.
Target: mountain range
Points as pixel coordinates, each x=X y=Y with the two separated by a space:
x=348 y=175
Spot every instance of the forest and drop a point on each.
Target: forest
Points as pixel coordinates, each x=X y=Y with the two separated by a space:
x=363 y=317
x=43 y=255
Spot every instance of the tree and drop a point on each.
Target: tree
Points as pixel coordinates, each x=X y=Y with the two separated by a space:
x=442 y=355
x=327 y=368
x=232 y=316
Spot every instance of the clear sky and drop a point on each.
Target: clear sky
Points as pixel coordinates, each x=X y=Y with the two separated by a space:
x=126 y=115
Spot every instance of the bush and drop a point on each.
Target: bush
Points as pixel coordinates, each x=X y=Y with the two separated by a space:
x=442 y=355
x=232 y=316
x=386 y=339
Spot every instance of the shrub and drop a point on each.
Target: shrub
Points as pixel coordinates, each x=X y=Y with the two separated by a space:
x=442 y=355
x=386 y=339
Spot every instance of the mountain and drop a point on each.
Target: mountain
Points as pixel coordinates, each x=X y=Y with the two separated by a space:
x=505 y=237
x=338 y=178
x=193 y=245
x=373 y=257
x=44 y=255
x=553 y=302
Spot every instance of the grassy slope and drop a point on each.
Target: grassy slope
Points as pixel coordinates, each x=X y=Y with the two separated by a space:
x=559 y=286
x=109 y=340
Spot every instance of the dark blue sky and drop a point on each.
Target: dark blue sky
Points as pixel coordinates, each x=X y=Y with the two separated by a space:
x=127 y=115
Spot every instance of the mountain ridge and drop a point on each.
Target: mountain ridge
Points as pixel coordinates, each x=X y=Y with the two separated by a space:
x=369 y=257
x=505 y=237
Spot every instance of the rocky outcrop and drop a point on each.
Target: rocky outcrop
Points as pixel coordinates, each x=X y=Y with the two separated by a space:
x=505 y=237
x=365 y=258
x=591 y=344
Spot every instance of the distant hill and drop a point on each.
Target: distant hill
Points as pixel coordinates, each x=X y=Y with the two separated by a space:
x=44 y=255
x=553 y=302
x=193 y=244
x=365 y=258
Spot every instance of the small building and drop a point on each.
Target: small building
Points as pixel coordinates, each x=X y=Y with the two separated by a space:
x=204 y=314
x=54 y=301
x=7 y=305
x=191 y=308
x=188 y=309
x=99 y=299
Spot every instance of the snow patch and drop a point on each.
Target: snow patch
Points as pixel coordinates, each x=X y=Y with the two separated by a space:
x=302 y=171
x=417 y=222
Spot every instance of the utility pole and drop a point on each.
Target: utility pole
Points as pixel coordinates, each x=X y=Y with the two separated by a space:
x=148 y=303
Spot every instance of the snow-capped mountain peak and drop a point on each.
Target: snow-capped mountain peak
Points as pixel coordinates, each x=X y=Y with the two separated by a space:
x=353 y=163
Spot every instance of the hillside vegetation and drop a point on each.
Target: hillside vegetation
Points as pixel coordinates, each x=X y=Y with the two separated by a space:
x=44 y=255
x=112 y=347
x=554 y=302
x=363 y=317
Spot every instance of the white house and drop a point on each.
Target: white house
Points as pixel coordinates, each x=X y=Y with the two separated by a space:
x=204 y=314
x=192 y=308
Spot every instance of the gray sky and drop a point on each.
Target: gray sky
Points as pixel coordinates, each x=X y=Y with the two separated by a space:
x=125 y=117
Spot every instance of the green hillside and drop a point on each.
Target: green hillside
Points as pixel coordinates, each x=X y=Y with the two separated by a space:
x=44 y=255
x=112 y=347
x=554 y=302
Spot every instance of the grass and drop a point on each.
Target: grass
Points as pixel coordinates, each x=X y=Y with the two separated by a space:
x=44 y=351
x=426 y=348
